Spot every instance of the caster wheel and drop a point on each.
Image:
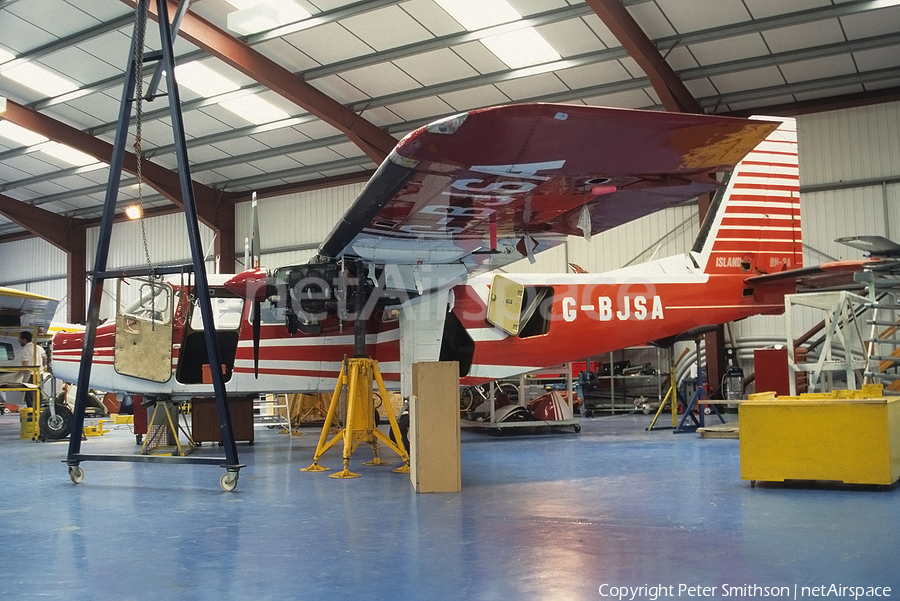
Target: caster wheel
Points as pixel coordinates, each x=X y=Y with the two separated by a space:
x=76 y=474
x=228 y=481
x=577 y=428
x=753 y=484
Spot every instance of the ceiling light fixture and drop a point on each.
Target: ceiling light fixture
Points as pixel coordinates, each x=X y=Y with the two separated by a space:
x=202 y=80
x=133 y=212
x=40 y=79
x=254 y=109
x=254 y=16
x=521 y=48
x=19 y=134
x=478 y=14
x=69 y=155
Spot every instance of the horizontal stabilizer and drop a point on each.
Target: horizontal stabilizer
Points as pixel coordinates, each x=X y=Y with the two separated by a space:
x=876 y=246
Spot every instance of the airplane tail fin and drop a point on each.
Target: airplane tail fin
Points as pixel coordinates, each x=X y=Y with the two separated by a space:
x=753 y=225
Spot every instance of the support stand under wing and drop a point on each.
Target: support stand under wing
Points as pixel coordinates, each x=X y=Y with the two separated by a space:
x=228 y=481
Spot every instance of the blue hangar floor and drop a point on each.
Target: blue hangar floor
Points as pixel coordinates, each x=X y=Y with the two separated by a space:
x=553 y=515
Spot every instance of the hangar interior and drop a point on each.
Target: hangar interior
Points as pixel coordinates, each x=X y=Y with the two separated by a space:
x=299 y=102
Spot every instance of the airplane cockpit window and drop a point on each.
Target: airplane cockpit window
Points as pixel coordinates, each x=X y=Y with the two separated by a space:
x=226 y=314
x=6 y=352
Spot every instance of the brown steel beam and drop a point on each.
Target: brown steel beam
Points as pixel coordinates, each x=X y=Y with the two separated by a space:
x=374 y=141
x=66 y=234
x=159 y=178
x=668 y=86
x=51 y=227
x=76 y=276
x=821 y=105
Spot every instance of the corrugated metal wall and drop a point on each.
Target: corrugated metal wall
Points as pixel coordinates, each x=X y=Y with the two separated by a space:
x=292 y=226
x=859 y=145
x=849 y=145
x=28 y=261
x=166 y=237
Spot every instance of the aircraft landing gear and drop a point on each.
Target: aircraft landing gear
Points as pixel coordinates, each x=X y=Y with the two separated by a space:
x=55 y=424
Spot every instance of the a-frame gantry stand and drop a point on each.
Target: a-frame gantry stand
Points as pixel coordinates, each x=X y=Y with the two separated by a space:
x=164 y=58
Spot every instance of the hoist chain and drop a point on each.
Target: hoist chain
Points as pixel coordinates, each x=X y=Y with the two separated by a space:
x=141 y=16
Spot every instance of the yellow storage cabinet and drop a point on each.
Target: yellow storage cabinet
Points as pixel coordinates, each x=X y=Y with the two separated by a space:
x=850 y=440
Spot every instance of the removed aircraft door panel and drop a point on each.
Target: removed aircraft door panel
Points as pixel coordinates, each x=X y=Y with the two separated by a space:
x=144 y=329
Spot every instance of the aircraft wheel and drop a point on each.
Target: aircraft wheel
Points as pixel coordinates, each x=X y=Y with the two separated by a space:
x=56 y=427
x=76 y=474
x=228 y=481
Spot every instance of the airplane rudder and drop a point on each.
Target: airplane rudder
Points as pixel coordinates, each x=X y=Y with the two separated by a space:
x=758 y=229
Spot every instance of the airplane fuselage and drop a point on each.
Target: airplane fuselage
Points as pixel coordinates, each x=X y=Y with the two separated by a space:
x=576 y=316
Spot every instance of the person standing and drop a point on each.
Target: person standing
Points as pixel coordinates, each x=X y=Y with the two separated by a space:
x=29 y=355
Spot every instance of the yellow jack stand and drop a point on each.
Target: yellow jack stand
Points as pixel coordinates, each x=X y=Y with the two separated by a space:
x=166 y=426
x=672 y=398
x=357 y=375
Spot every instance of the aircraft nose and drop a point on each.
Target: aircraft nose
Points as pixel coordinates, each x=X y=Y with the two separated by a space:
x=251 y=284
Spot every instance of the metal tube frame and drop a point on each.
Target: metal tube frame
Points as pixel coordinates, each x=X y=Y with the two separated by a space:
x=230 y=461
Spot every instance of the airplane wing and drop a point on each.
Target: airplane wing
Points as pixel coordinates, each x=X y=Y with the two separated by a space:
x=491 y=186
x=19 y=309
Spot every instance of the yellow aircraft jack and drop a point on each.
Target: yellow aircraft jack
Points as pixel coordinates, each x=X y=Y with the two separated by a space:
x=96 y=429
x=357 y=375
x=671 y=398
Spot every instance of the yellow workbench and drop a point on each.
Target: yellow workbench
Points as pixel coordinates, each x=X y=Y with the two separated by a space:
x=846 y=436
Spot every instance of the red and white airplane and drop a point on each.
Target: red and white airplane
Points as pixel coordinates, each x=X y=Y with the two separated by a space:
x=411 y=261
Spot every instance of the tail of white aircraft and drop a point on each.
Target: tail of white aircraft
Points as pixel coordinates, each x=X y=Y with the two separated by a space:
x=753 y=225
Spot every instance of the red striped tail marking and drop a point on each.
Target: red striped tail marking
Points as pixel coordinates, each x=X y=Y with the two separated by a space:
x=756 y=227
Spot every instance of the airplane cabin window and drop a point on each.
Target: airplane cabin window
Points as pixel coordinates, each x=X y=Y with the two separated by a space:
x=226 y=314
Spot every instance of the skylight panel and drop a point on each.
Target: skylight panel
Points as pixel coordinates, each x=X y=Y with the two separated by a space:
x=40 y=79
x=19 y=134
x=69 y=155
x=254 y=109
x=202 y=80
x=521 y=48
x=254 y=16
x=478 y=14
